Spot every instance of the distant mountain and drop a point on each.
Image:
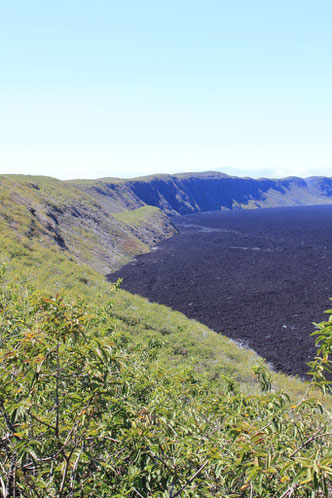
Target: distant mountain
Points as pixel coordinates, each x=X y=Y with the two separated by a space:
x=191 y=192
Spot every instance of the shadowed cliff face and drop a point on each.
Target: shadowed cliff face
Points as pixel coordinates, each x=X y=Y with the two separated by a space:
x=211 y=191
x=184 y=194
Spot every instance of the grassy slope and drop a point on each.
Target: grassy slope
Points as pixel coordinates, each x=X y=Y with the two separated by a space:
x=185 y=342
x=146 y=223
x=33 y=255
x=71 y=222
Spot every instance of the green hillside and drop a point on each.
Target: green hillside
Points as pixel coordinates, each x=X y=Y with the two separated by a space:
x=70 y=222
x=105 y=394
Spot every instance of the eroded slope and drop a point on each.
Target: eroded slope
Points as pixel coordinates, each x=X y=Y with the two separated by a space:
x=58 y=214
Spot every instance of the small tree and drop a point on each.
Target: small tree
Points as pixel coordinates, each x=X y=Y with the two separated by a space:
x=58 y=388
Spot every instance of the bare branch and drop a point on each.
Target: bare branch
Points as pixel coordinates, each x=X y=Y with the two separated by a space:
x=57 y=391
x=263 y=428
x=73 y=473
x=42 y=422
x=289 y=492
x=169 y=467
x=11 y=477
x=138 y=493
x=3 y=487
x=191 y=479
x=65 y=472
x=312 y=438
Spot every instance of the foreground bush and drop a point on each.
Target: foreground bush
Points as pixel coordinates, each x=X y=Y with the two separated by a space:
x=85 y=412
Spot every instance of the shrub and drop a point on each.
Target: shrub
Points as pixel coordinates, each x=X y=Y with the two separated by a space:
x=86 y=412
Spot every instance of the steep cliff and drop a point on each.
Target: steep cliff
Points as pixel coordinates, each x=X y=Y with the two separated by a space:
x=210 y=191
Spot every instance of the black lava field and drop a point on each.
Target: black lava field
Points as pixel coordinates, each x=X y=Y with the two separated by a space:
x=260 y=277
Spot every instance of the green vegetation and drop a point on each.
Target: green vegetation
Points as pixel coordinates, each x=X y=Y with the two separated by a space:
x=88 y=411
x=59 y=216
x=147 y=223
x=138 y=217
x=105 y=394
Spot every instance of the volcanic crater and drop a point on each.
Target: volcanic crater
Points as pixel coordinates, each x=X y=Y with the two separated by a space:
x=260 y=277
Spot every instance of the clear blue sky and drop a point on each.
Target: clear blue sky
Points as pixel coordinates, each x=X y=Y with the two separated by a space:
x=132 y=87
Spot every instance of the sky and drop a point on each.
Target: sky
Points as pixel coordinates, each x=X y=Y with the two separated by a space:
x=134 y=87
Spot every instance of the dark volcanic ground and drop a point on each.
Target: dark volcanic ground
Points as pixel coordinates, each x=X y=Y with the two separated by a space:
x=260 y=277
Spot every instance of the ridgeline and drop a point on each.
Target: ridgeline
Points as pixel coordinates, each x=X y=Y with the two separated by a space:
x=211 y=191
x=105 y=394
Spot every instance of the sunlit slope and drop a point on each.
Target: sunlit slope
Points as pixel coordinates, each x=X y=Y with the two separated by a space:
x=45 y=242
x=72 y=223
